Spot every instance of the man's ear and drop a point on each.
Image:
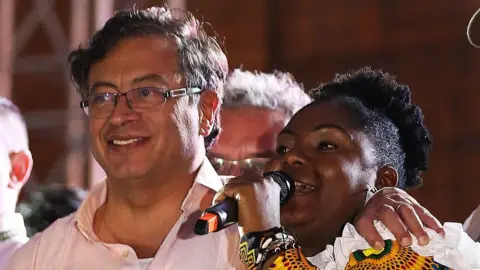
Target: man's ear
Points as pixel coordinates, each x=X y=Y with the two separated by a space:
x=387 y=176
x=22 y=164
x=208 y=108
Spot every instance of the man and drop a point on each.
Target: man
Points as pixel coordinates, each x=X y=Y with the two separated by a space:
x=256 y=107
x=472 y=224
x=16 y=165
x=151 y=83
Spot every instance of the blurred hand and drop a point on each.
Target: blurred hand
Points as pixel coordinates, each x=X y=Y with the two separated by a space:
x=400 y=213
x=258 y=201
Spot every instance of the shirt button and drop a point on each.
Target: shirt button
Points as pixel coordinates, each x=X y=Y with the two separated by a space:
x=125 y=253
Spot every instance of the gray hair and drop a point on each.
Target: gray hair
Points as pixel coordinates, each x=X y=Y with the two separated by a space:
x=14 y=131
x=275 y=90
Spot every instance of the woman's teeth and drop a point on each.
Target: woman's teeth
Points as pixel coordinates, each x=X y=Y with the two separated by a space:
x=303 y=188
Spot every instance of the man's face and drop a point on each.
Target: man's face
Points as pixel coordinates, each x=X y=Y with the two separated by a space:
x=248 y=139
x=135 y=144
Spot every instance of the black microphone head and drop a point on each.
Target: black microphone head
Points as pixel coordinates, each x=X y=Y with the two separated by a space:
x=286 y=183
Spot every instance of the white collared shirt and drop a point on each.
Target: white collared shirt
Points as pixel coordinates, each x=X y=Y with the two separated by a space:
x=70 y=243
x=11 y=223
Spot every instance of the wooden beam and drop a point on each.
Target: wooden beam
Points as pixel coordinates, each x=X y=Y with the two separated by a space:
x=7 y=8
x=76 y=130
x=103 y=10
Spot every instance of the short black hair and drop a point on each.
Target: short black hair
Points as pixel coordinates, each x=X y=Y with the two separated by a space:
x=202 y=60
x=383 y=108
x=51 y=202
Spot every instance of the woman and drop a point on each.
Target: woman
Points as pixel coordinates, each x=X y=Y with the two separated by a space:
x=361 y=132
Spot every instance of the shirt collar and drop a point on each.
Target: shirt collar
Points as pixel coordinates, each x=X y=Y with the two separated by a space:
x=206 y=176
x=86 y=212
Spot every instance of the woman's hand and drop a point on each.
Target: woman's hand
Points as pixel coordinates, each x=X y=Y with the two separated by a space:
x=258 y=199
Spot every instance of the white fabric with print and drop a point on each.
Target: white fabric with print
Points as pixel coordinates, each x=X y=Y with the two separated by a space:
x=457 y=250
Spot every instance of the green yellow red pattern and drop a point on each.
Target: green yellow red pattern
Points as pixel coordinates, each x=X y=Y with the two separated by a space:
x=292 y=259
x=393 y=256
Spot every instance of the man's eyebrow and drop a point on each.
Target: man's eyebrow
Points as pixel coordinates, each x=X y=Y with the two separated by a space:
x=151 y=77
x=98 y=84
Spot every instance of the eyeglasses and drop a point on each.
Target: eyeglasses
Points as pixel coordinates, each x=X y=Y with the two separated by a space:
x=140 y=99
x=237 y=167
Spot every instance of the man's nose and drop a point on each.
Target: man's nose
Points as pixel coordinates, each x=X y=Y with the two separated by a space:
x=123 y=112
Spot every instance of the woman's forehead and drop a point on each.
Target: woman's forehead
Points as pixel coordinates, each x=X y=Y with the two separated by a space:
x=320 y=113
x=330 y=114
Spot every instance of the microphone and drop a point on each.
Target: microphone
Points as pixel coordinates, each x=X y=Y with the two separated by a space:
x=225 y=213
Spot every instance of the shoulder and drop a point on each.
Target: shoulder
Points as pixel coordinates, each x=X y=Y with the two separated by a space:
x=24 y=257
x=50 y=241
x=8 y=248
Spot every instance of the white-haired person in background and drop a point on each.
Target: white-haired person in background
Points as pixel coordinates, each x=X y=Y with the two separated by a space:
x=15 y=167
x=256 y=107
x=472 y=224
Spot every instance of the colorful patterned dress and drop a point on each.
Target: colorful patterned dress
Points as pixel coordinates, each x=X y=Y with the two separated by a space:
x=456 y=250
x=393 y=256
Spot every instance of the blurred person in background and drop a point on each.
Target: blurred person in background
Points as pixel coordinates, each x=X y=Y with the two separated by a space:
x=256 y=107
x=472 y=223
x=49 y=203
x=151 y=83
x=15 y=168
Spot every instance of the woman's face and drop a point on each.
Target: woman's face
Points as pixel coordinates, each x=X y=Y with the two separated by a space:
x=332 y=163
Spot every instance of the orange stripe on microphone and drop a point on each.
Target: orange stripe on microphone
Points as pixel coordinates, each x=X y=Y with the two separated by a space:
x=212 y=221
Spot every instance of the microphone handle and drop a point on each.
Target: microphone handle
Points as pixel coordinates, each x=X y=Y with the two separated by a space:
x=227 y=211
x=217 y=217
